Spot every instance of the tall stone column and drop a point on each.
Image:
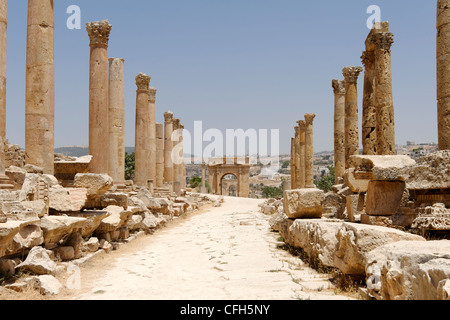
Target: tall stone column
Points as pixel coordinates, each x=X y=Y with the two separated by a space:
x=99 y=95
x=40 y=86
x=3 y=27
x=309 y=151
x=293 y=168
x=443 y=73
x=339 y=129
x=168 y=147
x=159 y=155
x=369 y=115
x=383 y=94
x=116 y=166
x=142 y=134
x=301 y=178
x=183 y=164
x=152 y=138
x=351 y=75
x=176 y=154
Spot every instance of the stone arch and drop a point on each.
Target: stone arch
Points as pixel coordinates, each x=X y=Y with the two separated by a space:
x=219 y=168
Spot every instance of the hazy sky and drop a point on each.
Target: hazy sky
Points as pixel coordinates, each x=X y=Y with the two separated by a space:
x=233 y=64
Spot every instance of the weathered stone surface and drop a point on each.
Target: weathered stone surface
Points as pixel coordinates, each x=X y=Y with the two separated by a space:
x=334 y=205
x=383 y=198
x=67 y=199
x=355 y=185
x=57 y=228
x=93 y=220
x=410 y=270
x=27 y=238
x=16 y=175
x=118 y=217
x=436 y=217
x=22 y=210
x=380 y=167
x=96 y=184
x=430 y=172
x=8 y=233
x=47 y=284
x=303 y=203
x=150 y=202
x=65 y=253
x=277 y=221
x=355 y=241
x=38 y=262
x=316 y=237
x=92 y=245
x=67 y=169
x=7 y=268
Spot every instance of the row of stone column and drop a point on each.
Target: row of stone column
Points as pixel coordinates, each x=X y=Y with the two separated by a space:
x=378 y=125
x=302 y=154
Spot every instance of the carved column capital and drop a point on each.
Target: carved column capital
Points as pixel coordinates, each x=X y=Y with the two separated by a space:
x=309 y=118
x=338 y=86
x=98 y=32
x=368 y=59
x=383 y=40
x=152 y=94
x=176 y=124
x=168 y=116
x=351 y=74
x=143 y=82
x=302 y=125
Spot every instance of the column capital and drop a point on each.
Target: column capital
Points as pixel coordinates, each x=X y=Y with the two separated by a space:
x=168 y=116
x=338 y=86
x=309 y=118
x=297 y=130
x=152 y=94
x=302 y=125
x=383 y=40
x=98 y=32
x=142 y=82
x=176 y=124
x=351 y=74
x=368 y=59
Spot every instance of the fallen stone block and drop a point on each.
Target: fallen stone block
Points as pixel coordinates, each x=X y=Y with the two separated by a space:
x=355 y=241
x=96 y=184
x=58 y=228
x=383 y=198
x=92 y=245
x=67 y=199
x=38 y=262
x=409 y=270
x=117 y=218
x=303 y=203
x=8 y=235
x=379 y=167
x=93 y=220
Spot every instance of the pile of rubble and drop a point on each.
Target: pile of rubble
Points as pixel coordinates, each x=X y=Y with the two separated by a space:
x=46 y=222
x=380 y=224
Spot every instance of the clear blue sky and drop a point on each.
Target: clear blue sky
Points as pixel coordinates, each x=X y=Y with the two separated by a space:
x=233 y=64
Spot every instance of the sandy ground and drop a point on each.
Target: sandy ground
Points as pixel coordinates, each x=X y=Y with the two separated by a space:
x=224 y=253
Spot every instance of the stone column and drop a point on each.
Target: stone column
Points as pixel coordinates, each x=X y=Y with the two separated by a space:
x=203 y=187
x=116 y=166
x=142 y=134
x=369 y=115
x=3 y=27
x=182 y=165
x=339 y=129
x=293 y=169
x=152 y=138
x=176 y=154
x=443 y=73
x=385 y=127
x=168 y=147
x=301 y=178
x=40 y=86
x=159 y=155
x=98 y=95
x=309 y=151
x=351 y=112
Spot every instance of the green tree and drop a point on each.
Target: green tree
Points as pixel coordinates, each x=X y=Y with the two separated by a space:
x=195 y=181
x=326 y=181
x=272 y=192
x=286 y=164
x=129 y=166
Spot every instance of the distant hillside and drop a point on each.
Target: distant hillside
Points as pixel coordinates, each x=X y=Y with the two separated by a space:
x=79 y=151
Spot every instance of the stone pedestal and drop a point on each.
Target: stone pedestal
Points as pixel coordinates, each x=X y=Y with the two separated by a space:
x=351 y=75
x=303 y=203
x=40 y=86
x=142 y=134
x=309 y=151
x=339 y=129
x=443 y=73
x=99 y=95
x=369 y=115
x=116 y=165
x=168 y=146
x=152 y=131
x=159 y=155
x=3 y=27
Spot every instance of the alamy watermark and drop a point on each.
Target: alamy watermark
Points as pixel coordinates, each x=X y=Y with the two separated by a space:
x=74 y=20
x=375 y=12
